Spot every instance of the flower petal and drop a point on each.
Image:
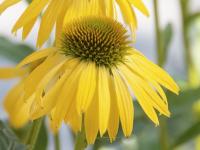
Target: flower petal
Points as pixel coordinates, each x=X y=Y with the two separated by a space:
x=86 y=87
x=140 y=95
x=7 y=3
x=34 y=10
x=92 y=120
x=113 y=124
x=125 y=104
x=35 y=56
x=104 y=99
x=140 y=6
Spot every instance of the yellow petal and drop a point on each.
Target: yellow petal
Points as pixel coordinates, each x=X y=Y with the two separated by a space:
x=48 y=20
x=125 y=104
x=73 y=119
x=149 y=93
x=50 y=99
x=36 y=56
x=66 y=96
x=92 y=120
x=17 y=109
x=33 y=10
x=113 y=124
x=37 y=74
x=7 y=3
x=139 y=71
x=60 y=21
x=141 y=96
x=140 y=6
x=110 y=9
x=86 y=87
x=7 y=73
x=27 y=28
x=46 y=79
x=128 y=13
x=104 y=99
x=156 y=73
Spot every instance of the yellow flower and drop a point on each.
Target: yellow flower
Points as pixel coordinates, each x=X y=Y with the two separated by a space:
x=58 y=12
x=91 y=76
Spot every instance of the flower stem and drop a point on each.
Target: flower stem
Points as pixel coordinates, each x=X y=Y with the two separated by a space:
x=158 y=34
x=57 y=141
x=33 y=133
x=81 y=142
x=163 y=125
x=186 y=41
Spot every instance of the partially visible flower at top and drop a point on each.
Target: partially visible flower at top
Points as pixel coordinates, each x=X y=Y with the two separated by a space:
x=58 y=12
x=90 y=78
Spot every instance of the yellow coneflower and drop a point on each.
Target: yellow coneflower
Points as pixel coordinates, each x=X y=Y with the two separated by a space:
x=91 y=76
x=59 y=11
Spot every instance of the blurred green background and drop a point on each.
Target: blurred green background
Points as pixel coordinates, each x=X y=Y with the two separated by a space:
x=171 y=38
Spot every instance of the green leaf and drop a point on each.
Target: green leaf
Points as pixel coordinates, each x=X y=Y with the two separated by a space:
x=8 y=140
x=13 y=51
x=188 y=135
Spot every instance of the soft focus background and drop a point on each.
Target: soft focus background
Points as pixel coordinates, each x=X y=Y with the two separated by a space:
x=182 y=130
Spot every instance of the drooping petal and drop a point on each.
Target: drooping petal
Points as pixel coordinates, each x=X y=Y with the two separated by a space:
x=7 y=73
x=73 y=119
x=36 y=75
x=7 y=3
x=140 y=6
x=92 y=120
x=67 y=96
x=27 y=28
x=128 y=13
x=104 y=99
x=33 y=11
x=48 y=20
x=60 y=22
x=46 y=79
x=113 y=124
x=125 y=104
x=139 y=71
x=17 y=109
x=35 y=56
x=50 y=99
x=156 y=73
x=140 y=95
x=86 y=87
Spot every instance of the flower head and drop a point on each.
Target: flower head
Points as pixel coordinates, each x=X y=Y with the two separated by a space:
x=58 y=12
x=91 y=76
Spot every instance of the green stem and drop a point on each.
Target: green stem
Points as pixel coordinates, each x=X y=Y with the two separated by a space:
x=33 y=133
x=186 y=41
x=163 y=124
x=158 y=34
x=164 y=134
x=81 y=142
x=57 y=142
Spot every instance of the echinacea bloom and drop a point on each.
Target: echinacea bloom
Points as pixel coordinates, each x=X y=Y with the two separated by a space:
x=58 y=12
x=91 y=78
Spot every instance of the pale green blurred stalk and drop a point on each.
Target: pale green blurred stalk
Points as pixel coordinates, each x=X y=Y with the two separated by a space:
x=57 y=141
x=80 y=143
x=33 y=133
x=190 y=68
x=164 y=145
